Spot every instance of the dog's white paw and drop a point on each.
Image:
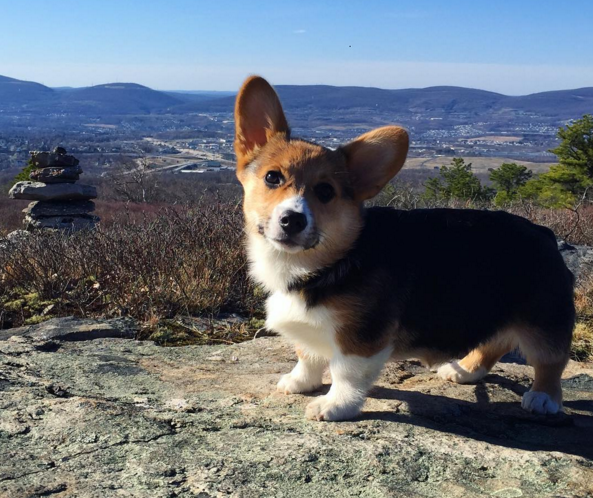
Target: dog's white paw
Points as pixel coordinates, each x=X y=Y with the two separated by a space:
x=328 y=409
x=456 y=373
x=294 y=384
x=539 y=402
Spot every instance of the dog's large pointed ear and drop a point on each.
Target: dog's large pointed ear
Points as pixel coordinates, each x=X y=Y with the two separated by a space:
x=375 y=158
x=258 y=117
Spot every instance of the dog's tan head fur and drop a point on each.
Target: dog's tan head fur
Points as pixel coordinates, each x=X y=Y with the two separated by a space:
x=302 y=199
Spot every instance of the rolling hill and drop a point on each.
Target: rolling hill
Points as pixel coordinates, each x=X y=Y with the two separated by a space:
x=561 y=103
x=439 y=101
x=17 y=92
x=441 y=98
x=117 y=98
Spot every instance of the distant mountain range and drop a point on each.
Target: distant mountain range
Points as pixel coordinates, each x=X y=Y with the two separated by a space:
x=17 y=92
x=133 y=99
x=436 y=100
x=112 y=98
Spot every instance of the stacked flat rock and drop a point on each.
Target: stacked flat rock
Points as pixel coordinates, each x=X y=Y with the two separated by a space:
x=60 y=203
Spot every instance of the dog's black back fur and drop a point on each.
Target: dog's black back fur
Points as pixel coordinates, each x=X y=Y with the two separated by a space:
x=452 y=278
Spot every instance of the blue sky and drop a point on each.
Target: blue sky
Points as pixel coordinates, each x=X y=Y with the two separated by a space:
x=510 y=46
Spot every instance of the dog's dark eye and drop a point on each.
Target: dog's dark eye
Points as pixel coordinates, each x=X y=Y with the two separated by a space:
x=325 y=192
x=273 y=178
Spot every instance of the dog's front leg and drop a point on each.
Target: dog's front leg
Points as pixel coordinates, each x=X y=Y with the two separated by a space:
x=352 y=377
x=305 y=376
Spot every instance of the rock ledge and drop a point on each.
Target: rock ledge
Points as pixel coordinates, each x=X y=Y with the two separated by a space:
x=117 y=417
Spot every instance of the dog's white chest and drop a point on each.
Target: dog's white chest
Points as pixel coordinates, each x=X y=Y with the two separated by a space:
x=311 y=328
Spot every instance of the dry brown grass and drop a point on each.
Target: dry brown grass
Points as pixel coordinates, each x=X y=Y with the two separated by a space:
x=161 y=263
x=582 y=341
x=573 y=226
x=11 y=214
x=177 y=262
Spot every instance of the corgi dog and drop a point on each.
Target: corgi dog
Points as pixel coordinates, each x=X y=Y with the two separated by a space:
x=354 y=287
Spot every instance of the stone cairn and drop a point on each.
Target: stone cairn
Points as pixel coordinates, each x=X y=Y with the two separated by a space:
x=60 y=202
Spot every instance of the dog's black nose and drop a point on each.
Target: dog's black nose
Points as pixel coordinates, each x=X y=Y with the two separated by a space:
x=292 y=222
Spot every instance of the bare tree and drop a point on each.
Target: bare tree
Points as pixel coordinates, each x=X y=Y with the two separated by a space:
x=134 y=181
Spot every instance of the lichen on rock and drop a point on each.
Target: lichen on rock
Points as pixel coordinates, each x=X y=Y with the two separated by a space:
x=118 y=417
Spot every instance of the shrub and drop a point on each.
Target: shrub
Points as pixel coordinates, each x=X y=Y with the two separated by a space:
x=24 y=175
x=576 y=147
x=560 y=187
x=183 y=261
x=456 y=182
x=572 y=178
x=11 y=214
x=507 y=180
x=582 y=342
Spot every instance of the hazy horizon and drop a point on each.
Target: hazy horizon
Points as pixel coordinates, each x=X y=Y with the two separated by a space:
x=210 y=90
x=582 y=78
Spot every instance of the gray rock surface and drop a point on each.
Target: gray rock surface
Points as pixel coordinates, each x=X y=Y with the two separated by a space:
x=37 y=191
x=56 y=174
x=56 y=158
x=17 y=235
x=578 y=259
x=58 y=208
x=115 y=417
x=74 y=329
x=68 y=222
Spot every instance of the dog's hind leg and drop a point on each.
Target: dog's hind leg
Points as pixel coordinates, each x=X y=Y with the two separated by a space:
x=545 y=395
x=478 y=362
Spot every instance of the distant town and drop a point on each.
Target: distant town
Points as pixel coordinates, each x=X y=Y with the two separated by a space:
x=176 y=133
